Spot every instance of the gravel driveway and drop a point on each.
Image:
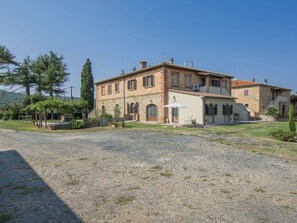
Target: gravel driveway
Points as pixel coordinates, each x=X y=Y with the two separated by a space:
x=140 y=176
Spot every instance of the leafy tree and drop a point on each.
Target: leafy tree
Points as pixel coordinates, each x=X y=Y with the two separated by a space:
x=50 y=73
x=21 y=76
x=54 y=75
x=87 y=84
x=292 y=126
x=273 y=111
x=6 y=58
x=134 y=69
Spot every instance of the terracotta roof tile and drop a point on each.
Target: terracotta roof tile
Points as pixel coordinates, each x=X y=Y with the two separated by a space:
x=243 y=83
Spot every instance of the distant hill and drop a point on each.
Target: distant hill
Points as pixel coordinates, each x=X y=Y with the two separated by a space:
x=10 y=97
x=7 y=98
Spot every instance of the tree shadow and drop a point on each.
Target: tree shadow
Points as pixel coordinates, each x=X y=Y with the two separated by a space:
x=25 y=197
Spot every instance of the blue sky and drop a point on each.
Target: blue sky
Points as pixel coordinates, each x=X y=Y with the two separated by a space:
x=244 y=38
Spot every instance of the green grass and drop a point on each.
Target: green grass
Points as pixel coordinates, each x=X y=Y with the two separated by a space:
x=255 y=136
x=19 y=126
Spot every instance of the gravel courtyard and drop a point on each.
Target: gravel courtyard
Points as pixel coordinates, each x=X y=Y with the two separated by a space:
x=140 y=176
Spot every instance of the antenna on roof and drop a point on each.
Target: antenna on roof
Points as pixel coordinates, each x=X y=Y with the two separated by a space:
x=185 y=62
x=163 y=56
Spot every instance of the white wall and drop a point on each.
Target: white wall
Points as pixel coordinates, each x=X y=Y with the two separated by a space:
x=193 y=110
x=219 y=118
x=242 y=111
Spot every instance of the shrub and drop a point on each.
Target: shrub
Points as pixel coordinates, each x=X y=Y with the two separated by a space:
x=273 y=111
x=194 y=122
x=281 y=135
x=74 y=124
x=92 y=122
x=292 y=125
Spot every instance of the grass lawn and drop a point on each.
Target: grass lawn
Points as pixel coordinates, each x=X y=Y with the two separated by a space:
x=253 y=137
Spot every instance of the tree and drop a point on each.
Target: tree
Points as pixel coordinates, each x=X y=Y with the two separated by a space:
x=21 y=76
x=51 y=75
x=133 y=68
x=87 y=84
x=292 y=126
x=54 y=75
x=6 y=58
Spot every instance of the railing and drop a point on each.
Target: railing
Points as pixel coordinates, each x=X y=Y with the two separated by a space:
x=214 y=90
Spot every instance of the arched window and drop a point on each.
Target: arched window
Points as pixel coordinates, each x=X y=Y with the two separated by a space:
x=210 y=109
x=215 y=110
x=136 y=107
x=206 y=109
x=117 y=111
x=227 y=109
x=231 y=109
x=132 y=108
x=224 y=109
x=103 y=109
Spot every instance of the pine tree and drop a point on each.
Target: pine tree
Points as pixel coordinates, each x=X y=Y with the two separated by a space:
x=292 y=125
x=87 y=84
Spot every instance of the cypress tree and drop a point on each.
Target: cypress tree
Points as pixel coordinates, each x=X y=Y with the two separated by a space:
x=292 y=125
x=87 y=84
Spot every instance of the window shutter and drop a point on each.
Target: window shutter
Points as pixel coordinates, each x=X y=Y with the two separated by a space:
x=231 y=109
x=144 y=81
x=215 y=109
x=224 y=109
x=206 y=109
x=128 y=85
x=153 y=81
x=135 y=84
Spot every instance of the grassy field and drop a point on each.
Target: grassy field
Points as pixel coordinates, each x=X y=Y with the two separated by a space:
x=252 y=137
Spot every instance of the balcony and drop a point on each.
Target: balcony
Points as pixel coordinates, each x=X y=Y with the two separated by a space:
x=214 y=90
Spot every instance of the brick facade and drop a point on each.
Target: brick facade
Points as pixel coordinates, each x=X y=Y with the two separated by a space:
x=257 y=97
x=144 y=96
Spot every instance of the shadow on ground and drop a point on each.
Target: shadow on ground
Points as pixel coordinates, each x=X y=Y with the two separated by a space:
x=18 y=183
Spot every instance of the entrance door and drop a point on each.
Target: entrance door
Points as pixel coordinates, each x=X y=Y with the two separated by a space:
x=151 y=111
x=283 y=110
x=175 y=115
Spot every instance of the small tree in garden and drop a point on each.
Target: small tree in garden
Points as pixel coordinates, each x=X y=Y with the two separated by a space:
x=292 y=126
x=87 y=85
x=273 y=111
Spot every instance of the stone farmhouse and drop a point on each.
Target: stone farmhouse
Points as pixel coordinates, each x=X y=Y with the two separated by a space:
x=142 y=94
x=257 y=97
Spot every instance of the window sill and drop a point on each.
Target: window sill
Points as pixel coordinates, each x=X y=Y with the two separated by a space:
x=148 y=86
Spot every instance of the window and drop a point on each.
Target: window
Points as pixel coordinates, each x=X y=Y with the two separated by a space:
x=103 y=110
x=206 y=109
x=132 y=84
x=103 y=90
x=210 y=109
x=188 y=82
x=246 y=92
x=215 y=83
x=175 y=79
x=148 y=81
x=109 y=89
x=116 y=88
x=227 y=110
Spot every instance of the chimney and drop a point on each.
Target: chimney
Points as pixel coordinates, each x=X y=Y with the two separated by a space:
x=171 y=60
x=142 y=64
x=265 y=81
x=191 y=64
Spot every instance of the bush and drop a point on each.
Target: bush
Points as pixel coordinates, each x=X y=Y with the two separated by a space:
x=74 y=124
x=292 y=125
x=273 y=111
x=281 y=135
x=92 y=122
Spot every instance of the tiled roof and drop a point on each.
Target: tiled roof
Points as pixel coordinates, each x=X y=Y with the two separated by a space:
x=201 y=94
x=239 y=83
x=165 y=64
x=243 y=83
